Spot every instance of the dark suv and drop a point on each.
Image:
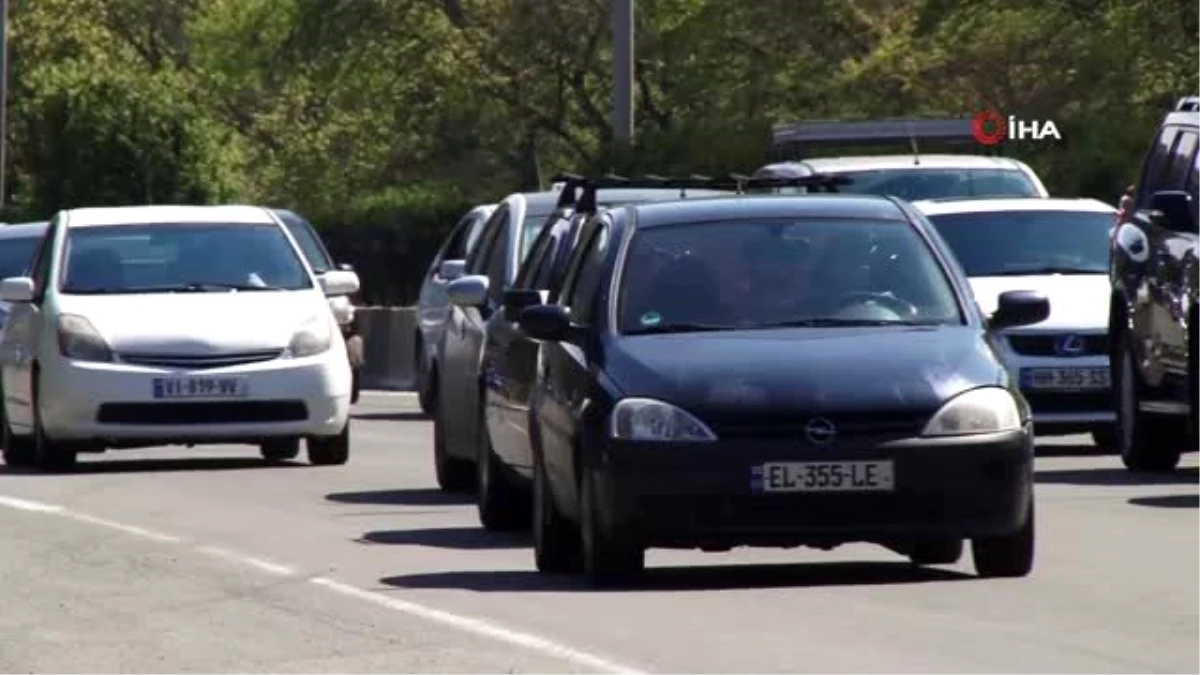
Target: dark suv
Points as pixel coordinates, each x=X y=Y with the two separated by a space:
x=1152 y=316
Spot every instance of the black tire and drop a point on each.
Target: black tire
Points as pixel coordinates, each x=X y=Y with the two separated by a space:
x=936 y=551
x=279 y=449
x=607 y=560
x=18 y=450
x=355 y=384
x=453 y=475
x=426 y=379
x=1009 y=555
x=1145 y=442
x=557 y=548
x=502 y=506
x=330 y=450
x=1105 y=437
x=49 y=455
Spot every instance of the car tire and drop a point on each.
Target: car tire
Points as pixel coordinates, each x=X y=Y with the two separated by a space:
x=49 y=455
x=426 y=379
x=355 y=384
x=1008 y=555
x=607 y=560
x=329 y=450
x=557 y=548
x=18 y=450
x=279 y=449
x=1145 y=442
x=501 y=505
x=936 y=551
x=1105 y=437
x=453 y=475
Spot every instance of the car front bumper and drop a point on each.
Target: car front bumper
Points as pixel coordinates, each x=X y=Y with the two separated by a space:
x=114 y=403
x=701 y=495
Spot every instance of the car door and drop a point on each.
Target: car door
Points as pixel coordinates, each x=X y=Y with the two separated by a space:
x=22 y=337
x=457 y=386
x=1175 y=250
x=509 y=361
x=564 y=380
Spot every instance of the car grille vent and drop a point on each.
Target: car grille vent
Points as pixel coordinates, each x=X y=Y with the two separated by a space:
x=1052 y=345
x=202 y=412
x=200 y=362
x=793 y=425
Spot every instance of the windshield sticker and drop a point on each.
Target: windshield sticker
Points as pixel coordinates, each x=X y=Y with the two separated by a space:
x=651 y=319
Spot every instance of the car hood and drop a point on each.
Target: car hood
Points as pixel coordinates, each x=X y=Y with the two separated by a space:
x=197 y=323
x=1077 y=301
x=812 y=370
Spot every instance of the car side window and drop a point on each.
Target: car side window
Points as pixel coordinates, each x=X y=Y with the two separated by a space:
x=497 y=264
x=40 y=271
x=539 y=257
x=1156 y=163
x=588 y=276
x=477 y=261
x=456 y=248
x=541 y=275
x=310 y=243
x=1181 y=160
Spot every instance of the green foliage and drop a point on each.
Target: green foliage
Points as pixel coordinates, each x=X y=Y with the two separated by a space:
x=383 y=120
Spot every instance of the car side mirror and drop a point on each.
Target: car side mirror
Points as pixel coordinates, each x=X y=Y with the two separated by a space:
x=346 y=267
x=16 y=289
x=1019 y=308
x=518 y=299
x=1172 y=209
x=338 y=282
x=551 y=323
x=470 y=291
x=450 y=270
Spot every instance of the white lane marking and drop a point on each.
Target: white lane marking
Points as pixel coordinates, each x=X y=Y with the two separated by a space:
x=112 y=524
x=478 y=627
x=257 y=563
x=26 y=505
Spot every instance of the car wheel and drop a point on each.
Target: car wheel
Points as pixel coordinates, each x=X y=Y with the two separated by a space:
x=501 y=506
x=1105 y=437
x=426 y=379
x=607 y=559
x=1009 y=555
x=49 y=455
x=355 y=384
x=18 y=450
x=1146 y=442
x=936 y=551
x=556 y=545
x=280 y=449
x=452 y=475
x=330 y=450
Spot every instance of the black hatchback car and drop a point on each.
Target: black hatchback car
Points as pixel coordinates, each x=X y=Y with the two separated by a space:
x=775 y=371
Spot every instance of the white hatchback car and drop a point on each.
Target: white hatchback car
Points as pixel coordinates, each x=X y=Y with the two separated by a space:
x=156 y=325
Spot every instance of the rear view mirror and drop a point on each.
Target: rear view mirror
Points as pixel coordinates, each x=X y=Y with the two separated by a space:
x=1172 y=209
x=16 y=289
x=517 y=299
x=1020 y=308
x=469 y=291
x=450 y=270
x=338 y=282
x=546 y=322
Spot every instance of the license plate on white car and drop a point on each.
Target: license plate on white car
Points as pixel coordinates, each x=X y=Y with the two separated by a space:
x=871 y=476
x=1065 y=378
x=199 y=387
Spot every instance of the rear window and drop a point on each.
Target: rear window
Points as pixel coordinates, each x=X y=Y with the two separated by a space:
x=1027 y=242
x=917 y=184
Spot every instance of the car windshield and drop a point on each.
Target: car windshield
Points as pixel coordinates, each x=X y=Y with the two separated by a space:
x=1027 y=242
x=16 y=254
x=916 y=184
x=174 y=257
x=767 y=273
x=531 y=227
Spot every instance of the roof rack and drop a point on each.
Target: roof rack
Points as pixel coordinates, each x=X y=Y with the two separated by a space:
x=579 y=192
x=1188 y=104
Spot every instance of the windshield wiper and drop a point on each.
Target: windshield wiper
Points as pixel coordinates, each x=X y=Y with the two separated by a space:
x=681 y=327
x=1035 y=271
x=834 y=322
x=198 y=287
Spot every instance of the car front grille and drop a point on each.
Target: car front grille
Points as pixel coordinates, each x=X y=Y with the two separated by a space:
x=200 y=362
x=207 y=412
x=1048 y=344
x=792 y=425
x=1068 y=402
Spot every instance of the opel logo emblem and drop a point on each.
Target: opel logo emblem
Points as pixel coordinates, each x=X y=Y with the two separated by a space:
x=820 y=431
x=1069 y=345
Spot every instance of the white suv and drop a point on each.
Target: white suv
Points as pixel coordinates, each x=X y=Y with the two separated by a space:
x=154 y=325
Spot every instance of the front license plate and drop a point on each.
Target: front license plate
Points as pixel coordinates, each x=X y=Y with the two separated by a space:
x=1065 y=378
x=199 y=387
x=875 y=476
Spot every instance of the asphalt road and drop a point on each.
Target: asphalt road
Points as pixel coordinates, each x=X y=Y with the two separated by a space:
x=205 y=560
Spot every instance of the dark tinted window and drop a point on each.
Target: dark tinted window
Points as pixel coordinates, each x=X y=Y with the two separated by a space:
x=478 y=257
x=589 y=276
x=456 y=246
x=310 y=244
x=497 y=265
x=180 y=257
x=16 y=256
x=539 y=258
x=763 y=272
x=918 y=184
x=1023 y=242
x=1157 y=162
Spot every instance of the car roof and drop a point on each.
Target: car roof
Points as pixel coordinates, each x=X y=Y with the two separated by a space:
x=23 y=230
x=871 y=207
x=899 y=161
x=145 y=215
x=1188 y=119
x=937 y=207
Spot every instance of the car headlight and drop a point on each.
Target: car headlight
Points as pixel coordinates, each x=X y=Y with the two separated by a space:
x=313 y=337
x=78 y=339
x=979 y=411
x=644 y=419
